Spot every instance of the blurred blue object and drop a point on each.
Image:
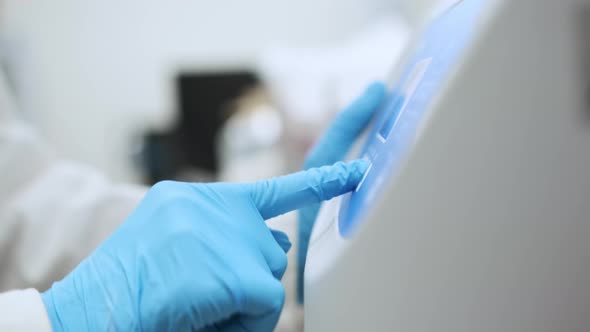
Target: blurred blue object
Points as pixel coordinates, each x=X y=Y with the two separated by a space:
x=333 y=147
x=194 y=257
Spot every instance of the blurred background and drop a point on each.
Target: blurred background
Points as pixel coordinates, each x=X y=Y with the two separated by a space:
x=196 y=90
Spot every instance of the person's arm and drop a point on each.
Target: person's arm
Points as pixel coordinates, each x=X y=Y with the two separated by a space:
x=190 y=256
x=53 y=213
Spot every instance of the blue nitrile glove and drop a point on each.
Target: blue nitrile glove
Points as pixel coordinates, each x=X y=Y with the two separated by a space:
x=194 y=257
x=332 y=147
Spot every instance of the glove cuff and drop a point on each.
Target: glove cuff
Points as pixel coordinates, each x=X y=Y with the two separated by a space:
x=65 y=309
x=52 y=314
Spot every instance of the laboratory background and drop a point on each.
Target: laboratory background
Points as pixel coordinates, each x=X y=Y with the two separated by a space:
x=151 y=90
x=472 y=213
x=195 y=90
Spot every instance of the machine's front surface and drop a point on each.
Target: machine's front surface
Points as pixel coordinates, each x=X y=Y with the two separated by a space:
x=473 y=214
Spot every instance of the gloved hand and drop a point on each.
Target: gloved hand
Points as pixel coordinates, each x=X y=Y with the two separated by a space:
x=333 y=147
x=194 y=257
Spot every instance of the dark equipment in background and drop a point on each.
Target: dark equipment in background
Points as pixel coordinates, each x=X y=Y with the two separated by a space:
x=188 y=150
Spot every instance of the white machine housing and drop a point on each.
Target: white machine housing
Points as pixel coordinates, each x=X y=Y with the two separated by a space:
x=485 y=226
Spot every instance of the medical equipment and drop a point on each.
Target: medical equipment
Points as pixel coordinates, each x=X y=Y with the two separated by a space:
x=474 y=214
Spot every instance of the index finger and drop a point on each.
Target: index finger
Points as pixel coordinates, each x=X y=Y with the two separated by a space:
x=280 y=195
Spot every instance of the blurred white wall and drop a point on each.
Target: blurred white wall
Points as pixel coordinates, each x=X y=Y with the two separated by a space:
x=99 y=71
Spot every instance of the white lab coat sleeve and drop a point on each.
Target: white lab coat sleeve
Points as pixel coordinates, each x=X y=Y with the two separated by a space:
x=23 y=310
x=53 y=213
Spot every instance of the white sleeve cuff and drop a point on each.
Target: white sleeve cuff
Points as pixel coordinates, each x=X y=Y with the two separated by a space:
x=23 y=310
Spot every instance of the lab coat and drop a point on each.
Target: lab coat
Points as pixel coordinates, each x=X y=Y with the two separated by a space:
x=53 y=213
